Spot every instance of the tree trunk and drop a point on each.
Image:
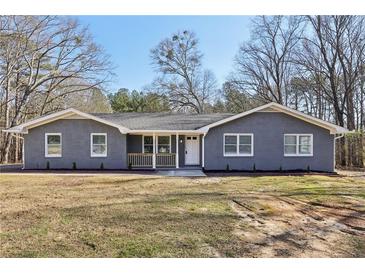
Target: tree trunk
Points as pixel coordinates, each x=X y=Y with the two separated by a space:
x=7 y=143
x=361 y=152
x=16 y=153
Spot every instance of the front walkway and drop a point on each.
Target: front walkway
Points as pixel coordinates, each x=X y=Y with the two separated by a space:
x=182 y=173
x=16 y=169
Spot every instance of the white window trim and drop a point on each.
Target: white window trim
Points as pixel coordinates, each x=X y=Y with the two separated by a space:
x=143 y=142
x=91 y=145
x=238 y=141
x=297 y=135
x=46 y=145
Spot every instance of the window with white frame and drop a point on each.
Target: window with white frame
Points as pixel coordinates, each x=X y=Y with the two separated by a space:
x=147 y=144
x=163 y=144
x=53 y=145
x=298 y=144
x=237 y=144
x=98 y=145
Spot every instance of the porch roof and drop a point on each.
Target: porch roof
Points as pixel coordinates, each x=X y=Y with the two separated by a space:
x=162 y=121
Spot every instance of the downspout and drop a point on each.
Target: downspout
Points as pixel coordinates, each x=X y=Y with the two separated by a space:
x=334 y=149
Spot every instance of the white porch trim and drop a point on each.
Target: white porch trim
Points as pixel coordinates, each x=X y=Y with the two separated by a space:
x=154 y=151
x=203 y=144
x=177 y=150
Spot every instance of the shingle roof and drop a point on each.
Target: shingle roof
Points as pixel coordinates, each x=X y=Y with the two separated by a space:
x=162 y=121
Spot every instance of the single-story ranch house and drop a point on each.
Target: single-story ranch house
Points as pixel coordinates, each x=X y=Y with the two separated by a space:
x=269 y=137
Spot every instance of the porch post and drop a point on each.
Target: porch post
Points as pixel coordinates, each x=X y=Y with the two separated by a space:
x=177 y=151
x=203 y=150
x=154 y=151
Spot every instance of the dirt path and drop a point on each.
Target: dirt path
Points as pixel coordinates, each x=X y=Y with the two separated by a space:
x=351 y=173
x=274 y=226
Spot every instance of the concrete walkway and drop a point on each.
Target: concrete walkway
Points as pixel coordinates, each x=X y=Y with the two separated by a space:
x=17 y=170
x=182 y=173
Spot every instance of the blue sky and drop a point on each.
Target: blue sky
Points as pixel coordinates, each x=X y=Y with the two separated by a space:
x=128 y=40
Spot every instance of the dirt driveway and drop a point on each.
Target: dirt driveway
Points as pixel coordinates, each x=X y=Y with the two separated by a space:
x=298 y=228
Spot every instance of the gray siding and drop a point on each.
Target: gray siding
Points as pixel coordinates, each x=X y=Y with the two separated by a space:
x=181 y=150
x=134 y=143
x=75 y=146
x=269 y=130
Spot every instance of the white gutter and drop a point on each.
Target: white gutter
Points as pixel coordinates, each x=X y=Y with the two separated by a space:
x=341 y=135
x=15 y=130
x=141 y=131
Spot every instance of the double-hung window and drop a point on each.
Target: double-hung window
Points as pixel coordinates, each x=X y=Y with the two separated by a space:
x=53 y=145
x=163 y=144
x=237 y=144
x=147 y=144
x=98 y=145
x=298 y=144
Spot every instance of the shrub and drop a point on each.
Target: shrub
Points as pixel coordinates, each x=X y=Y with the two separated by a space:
x=102 y=166
x=254 y=168
x=130 y=166
x=308 y=168
x=227 y=167
x=74 y=165
x=47 y=165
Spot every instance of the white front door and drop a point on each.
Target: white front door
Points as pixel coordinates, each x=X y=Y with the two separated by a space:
x=192 y=150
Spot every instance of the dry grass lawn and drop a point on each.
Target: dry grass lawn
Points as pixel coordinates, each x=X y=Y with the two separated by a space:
x=151 y=216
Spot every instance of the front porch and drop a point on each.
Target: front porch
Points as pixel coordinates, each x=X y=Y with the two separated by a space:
x=162 y=150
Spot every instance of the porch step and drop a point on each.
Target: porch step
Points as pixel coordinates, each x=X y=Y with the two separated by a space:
x=182 y=173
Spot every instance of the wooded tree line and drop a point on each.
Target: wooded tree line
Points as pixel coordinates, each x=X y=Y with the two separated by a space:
x=315 y=64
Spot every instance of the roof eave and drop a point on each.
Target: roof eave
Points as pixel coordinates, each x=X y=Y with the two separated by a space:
x=17 y=130
x=339 y=130
x=136 y=131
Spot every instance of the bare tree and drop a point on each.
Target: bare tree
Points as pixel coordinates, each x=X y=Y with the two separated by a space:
x=44 y=59
x=178 y=61
x=237 y=101
x=333 y=55
x=263 y=65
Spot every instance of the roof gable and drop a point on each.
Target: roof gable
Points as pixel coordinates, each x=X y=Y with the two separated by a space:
x=63 y=114
x=274 y=107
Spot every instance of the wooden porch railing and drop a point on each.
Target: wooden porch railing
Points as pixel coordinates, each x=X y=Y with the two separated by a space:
x=165 y=159
x=146 y=160
x=140 y=159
